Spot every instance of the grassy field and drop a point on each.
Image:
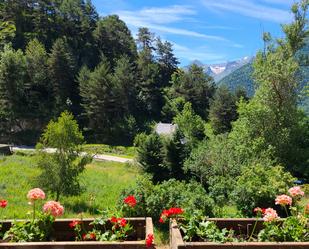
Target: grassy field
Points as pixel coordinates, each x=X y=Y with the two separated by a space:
x=102 y=183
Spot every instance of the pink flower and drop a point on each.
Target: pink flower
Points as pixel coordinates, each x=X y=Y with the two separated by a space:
x=270 y=215
x=149 y=240
x=36 y=194
x=296 y=191
x=54 y=208
x=283 y=200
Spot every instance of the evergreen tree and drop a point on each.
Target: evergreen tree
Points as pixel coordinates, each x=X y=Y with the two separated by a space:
x=38 y=87
x=222 y=110
x=114 y=39
x=103 y=100
x=175 y=154
x=195 y=87
x=167 y=61
x=62 y=69
x=13 y=103
x=150 y=156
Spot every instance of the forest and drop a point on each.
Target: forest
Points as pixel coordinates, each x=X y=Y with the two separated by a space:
x=58 y=56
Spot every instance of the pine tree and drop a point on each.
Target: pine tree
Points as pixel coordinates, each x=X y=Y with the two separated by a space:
x=114 y=39
x=62 y=68
x=13 y=103
x=195 y=87
x=222 y=111
x=39 y=91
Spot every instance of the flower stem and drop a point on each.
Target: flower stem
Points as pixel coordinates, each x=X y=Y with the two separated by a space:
x=33 y=210
x=287 y=214
x=253 y=230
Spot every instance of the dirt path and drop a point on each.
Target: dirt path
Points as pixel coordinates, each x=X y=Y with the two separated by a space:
x=98 y=157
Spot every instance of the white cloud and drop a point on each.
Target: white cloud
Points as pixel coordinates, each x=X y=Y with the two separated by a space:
x=251 y=8
x=156 y=18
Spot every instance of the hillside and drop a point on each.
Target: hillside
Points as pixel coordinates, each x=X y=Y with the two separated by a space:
x=242 y=78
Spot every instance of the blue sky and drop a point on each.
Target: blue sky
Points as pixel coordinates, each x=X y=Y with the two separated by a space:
x=211 y=31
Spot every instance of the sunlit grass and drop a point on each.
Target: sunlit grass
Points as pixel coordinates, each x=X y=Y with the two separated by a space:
x=102 y=183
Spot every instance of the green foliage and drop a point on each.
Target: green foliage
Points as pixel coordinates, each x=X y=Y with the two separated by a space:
x=258 y=185
x=60 y=169
x=212 y=164
x=292 y=229
x=190 y=125
x=222 y=111
x=195 y=87
x=114 y=39
x=175 y=153
x=62 y=69
x=31 y=231
x=153 y=199
x=150 y=156
x=195 y=226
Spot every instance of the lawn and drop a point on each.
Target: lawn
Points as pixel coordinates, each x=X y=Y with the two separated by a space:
x=102 y=183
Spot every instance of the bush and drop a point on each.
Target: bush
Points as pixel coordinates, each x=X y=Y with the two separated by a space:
x=152 y=199
x=259 y=185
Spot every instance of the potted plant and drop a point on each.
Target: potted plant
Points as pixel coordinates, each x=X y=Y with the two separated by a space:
x=43 y=230
x=265 y=231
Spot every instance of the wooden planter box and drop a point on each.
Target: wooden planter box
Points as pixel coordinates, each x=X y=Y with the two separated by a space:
x=244 y=226
x=64 y=237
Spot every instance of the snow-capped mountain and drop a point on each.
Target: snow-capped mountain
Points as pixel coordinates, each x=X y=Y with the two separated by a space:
x=220 y=70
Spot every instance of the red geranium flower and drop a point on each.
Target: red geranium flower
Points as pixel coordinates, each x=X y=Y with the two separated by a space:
x=3 y=203
x=74 y=223
x=170 y=212
x=123 y=222
x=149 y=240
x=130 y=201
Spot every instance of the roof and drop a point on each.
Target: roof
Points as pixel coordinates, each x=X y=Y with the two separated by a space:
x=165 y=128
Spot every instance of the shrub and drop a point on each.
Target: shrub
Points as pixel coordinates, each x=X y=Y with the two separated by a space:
x=258 y=186
x=152 y=199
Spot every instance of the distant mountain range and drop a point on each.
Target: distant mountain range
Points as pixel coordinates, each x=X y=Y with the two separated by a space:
x=238 y=74
x=221 y=70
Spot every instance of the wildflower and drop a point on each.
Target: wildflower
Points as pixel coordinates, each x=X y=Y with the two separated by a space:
x=283 y=200
x=54 y=208
x=270 y=215
x=74 y=223
x=3 y=203
x=35 y=194
x=130 y=201
x=149 y=240
x=296 y=192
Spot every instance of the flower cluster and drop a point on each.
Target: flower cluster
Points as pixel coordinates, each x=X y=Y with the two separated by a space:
x=296 y=192
x=270 y=215
x=3 y=203
x=35 y=194
x=168 y=213
x=149 y=240
x=54 y=208
x=283 y=200
x=118 y=221
x=130 y=201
